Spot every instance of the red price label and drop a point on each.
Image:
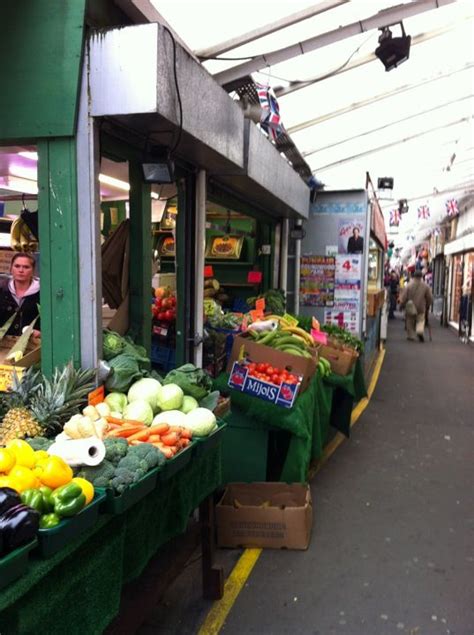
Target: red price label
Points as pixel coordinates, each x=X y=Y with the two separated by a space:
x=208 y=271
x=254 y=277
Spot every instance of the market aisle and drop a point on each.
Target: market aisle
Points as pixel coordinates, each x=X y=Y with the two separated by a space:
x=393 y=541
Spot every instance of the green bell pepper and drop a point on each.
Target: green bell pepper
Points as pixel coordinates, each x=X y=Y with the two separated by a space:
x=33 y=498
x=68 y=500
x=47 y=521
x=38 y=499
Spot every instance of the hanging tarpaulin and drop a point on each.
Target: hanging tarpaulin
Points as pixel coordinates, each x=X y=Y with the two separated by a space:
x=270 y=119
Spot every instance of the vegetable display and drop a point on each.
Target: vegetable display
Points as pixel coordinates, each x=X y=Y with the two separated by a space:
x=272 y=374
x=193 y=381
x=343 y=337
x=275 y=301
x=324 y=367
x=19 y=523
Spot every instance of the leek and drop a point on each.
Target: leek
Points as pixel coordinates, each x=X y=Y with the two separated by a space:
x=18 y=349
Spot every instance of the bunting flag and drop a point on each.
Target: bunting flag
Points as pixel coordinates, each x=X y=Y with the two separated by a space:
x=395 y=218
x=452 y=207
x=423 y=212
x=270 y=120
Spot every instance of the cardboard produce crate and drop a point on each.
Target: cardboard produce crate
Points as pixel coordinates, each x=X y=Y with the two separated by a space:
x=303 y=366
x=269 y=515
x=341 y=360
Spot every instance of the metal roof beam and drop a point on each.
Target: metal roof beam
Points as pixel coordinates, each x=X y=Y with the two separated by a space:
x=417 y=39
x=262 y=31
x=393 y=143
x=373 y=100
x=386 y=17
x=388 y=125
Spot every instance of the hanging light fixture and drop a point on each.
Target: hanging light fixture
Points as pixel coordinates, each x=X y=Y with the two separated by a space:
x=158 y=166
x=393 y=51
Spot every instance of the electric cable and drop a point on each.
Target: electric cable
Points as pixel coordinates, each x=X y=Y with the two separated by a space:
x=178 y=94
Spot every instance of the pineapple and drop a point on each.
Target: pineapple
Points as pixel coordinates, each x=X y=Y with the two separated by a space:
x=38 y=406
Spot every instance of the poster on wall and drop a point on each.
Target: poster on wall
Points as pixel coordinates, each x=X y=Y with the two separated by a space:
x=348 y=267
x=350 y=236
x=317 y=276
x=344 y=314
x=345 y=290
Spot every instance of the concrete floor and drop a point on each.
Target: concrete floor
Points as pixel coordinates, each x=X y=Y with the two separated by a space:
x=392 y=549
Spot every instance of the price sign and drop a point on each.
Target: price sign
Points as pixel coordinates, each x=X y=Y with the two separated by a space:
x=256 y=315
x=254 y=277
x=96 y=396
x=208 y=271
x=260 y=305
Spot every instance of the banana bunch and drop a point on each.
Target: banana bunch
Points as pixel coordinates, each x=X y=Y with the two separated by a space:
x=324 y=367
x=288 y=339
x=21 y=238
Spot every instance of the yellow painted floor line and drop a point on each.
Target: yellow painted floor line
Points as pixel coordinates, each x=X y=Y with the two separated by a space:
x=235 y=582
x=232 y=587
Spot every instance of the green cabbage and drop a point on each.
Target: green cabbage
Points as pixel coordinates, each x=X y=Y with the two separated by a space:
x=125 y=370
x=189 y=403
x=171 y=397
x=139 y=411
x=116 y=401
x=146 y=389
x=113 y=345
x=201 y=421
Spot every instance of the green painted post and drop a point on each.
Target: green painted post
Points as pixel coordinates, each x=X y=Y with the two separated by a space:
x=140 y=257
x=58 y=217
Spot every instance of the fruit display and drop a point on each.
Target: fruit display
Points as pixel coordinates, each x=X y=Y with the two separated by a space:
x=38 y=406
x=272 y=374
x=164 y=305
x=324 y=367
x=21 y=236
x=285 y=338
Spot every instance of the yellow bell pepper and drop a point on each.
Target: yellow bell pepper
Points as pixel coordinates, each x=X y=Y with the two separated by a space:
x=23 y=453
x=40 y=455
x=23 y=478
x=7 y=460
x=53 y=472
x=6 y=481
x=86 y=486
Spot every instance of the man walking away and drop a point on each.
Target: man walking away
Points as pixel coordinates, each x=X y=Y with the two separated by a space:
x=416 y=298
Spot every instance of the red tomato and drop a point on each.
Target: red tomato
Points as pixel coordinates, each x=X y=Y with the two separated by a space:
x=276 y=379
x=169 y=315
x=162 y=315
x=252 y=366
x=261 y=367
x=173 y=301
x=270 y=370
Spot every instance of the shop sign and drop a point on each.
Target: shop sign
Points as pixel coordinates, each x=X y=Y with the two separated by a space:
x=377 y=224
x=283 y=395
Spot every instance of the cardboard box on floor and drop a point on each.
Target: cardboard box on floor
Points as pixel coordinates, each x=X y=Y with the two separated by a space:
x=270 y=515
x=341 y=360
x=303 y=366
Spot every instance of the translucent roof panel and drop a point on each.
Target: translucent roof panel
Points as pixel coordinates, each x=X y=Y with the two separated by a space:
x=355 y=117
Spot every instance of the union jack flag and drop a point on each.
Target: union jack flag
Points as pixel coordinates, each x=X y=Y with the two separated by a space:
x=270 y=119
x=452 y=207
x=423 y=211
x=395 y=218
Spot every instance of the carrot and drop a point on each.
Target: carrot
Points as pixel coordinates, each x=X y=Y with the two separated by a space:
x=135 y=442
x=170 y=439
x=125 y=432
x=142 y=435
x=114 y=420
x=187 y=433
x=153 y=438
x=185 y=442
x=166 y=451
x=177 y=429
x=161 y=428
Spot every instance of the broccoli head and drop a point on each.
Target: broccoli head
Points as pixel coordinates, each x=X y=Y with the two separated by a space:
x=115 y=449
x=148 y=453
x=134 y=464
x=100 y=475
x=123 y=478
x=40 y=443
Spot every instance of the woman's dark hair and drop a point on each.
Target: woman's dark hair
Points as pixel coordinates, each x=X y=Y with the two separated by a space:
x=23 y=254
